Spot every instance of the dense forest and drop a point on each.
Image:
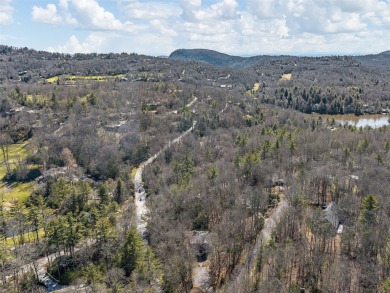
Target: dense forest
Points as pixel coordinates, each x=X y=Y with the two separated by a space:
x=246 y=186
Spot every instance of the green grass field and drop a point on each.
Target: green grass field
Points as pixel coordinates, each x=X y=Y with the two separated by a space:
x=102 y=78
x=52 y=79
x=133 y=172
x=36 y=100
x=84 y=77
x=16 y=190
x=29 y=237
x=18 y=150
x=254 y=89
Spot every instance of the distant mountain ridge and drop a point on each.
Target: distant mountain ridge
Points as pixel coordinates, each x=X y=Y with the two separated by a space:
x=215 y=58
x=208 y=56
x=224 y=60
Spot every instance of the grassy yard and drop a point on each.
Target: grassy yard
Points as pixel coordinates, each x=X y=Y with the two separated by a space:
x=36 y=100
x=29 y=237
x=133 y=172
x=16 y=190
x=53 y=79
x=254 y=89
x=84 y=77
x=16 y=152
x=93 y=77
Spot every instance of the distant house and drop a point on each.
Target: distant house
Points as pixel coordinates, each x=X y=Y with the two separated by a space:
x=368 y=109
x=340 y=229
x=331 y=215
x=14 y=111
x=199 y=241
x=349 y=109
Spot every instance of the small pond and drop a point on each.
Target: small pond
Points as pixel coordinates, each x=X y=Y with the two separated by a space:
x=366 y=120
x=373 y=121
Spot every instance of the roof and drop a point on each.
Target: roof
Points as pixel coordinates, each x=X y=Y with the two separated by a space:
x=331 y=214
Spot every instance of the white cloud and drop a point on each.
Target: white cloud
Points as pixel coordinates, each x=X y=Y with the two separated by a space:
x=46 y=15
x=192 y=10
x=264 y=9
x=163 y=28
x=312 y=17
x=93 y=16
x=50 y=14
x=188 y=7
x=350 y=22
x=93 y=43
x=231 y=26
x=225 y=9
x=102 y=42
x=354 y=5
x=213 y=26
x=63 y=4
x=151 y=10
x=5 y=18
x=323 y=16
x=6 y=12
x=280 y=28
x=152 y=43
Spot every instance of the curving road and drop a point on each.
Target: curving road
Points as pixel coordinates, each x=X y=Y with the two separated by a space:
x=140 y=195
x=40 y=267
x=187 y=106
x=141 y=210
x=241 y=272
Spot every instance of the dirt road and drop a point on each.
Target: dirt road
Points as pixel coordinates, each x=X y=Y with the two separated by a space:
x=242 y=271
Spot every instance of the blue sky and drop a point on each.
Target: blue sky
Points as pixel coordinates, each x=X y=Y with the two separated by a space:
x=252 y=27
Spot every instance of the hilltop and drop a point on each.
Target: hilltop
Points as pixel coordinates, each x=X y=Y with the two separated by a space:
x=325 y=85
x=215 y=58
x=236 y=164
x=224 y=60
x=208 y=56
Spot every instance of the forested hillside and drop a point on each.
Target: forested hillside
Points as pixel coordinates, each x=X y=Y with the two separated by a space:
x=130 y=173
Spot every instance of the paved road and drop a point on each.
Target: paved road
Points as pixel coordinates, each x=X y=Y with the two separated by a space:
x=192 y=102
x=40 y=265
x=141 y=211
x=187 y=106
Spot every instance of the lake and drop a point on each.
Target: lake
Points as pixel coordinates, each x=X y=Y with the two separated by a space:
x=374 y=120
x=363 y=121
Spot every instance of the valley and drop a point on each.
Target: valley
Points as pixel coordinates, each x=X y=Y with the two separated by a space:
x=201 y=172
